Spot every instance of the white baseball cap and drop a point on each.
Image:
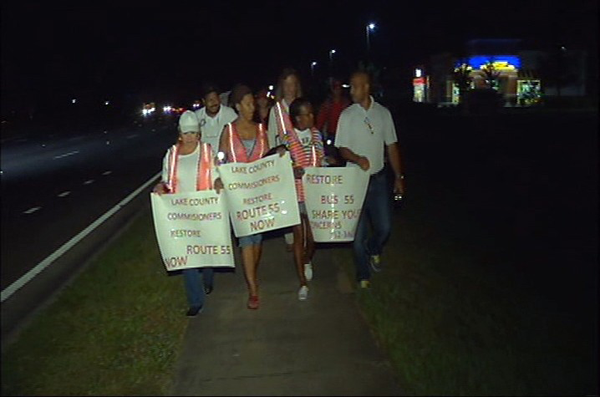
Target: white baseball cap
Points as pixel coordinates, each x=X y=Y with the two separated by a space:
x=188 y=121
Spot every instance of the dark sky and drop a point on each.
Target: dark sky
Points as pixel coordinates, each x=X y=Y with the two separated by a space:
x=55 y=49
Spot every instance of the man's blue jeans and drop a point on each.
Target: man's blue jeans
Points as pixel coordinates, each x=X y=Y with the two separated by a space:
x=194 y=285
x=376 y=211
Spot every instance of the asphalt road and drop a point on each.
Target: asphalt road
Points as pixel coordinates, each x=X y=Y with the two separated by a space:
x=53 y=187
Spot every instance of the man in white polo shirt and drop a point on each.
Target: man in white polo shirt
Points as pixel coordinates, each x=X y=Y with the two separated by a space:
x=365 y=129
x=213 y=116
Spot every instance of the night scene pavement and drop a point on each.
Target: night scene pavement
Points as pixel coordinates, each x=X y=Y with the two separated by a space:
x=53 y=187
x=321 y=346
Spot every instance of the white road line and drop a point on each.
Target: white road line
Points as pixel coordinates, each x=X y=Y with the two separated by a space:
x=107 y=173
x=32 y=210
x=14 y=287
x=132 y=136
x=64 y=194
x=88 y=182
x=66 y=154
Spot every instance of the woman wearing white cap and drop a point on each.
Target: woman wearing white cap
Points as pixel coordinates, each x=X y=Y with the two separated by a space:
x=188 y=166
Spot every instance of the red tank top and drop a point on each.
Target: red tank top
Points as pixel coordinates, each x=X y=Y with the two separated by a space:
x=236 y=152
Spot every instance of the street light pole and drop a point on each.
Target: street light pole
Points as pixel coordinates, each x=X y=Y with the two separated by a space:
x=331 y=52
x=312 y=68
x=368 y=28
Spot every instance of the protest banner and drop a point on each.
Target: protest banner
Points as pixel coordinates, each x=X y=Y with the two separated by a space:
x=260 y=195
x=334 y=198
x=192 y=230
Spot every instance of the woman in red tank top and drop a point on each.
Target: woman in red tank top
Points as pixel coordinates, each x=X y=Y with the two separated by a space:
x=244 y=141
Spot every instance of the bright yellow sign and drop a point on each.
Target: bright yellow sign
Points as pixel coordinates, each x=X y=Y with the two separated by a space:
x=500 y=65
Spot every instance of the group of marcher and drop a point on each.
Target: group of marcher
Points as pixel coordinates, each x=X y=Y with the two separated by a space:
x=254 y=128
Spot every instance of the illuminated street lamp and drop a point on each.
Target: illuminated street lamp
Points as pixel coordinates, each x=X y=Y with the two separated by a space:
x=312 y=68
x=331 y=52
x=370 y=27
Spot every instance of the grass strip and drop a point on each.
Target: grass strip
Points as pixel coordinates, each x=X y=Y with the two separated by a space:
x=116 y=330
x=453 y=324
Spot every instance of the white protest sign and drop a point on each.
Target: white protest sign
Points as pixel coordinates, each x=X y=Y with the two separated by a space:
x=334 y=198
x=192 y=229
x=261 y=195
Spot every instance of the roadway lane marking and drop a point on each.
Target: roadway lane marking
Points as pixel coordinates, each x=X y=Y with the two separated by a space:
x=88 y=182
x=32 y=210
x=14 y=287
x=66 y=154
x=64 y=194
x=132 y=136
x=107 y=173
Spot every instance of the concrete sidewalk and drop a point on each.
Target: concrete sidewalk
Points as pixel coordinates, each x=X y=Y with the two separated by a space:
x=321 y=346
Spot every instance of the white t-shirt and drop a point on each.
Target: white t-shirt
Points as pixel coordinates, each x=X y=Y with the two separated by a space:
x=211 y=127
x=305 y=136
x=273 y=124
x=187 y=171
x=365 y=131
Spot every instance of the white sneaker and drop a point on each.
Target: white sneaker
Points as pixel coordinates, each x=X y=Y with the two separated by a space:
x=303 y=293
x=308 y=273
x=375 y=261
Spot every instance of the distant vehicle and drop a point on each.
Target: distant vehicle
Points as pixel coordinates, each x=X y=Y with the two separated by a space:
x=148 y=108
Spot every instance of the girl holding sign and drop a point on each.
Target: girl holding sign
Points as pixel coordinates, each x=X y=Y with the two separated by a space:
x=245 y=141
x=306 y=148
x=188 y=166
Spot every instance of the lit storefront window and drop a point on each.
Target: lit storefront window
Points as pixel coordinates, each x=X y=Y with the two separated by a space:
x=529 y=92
x=419 y=89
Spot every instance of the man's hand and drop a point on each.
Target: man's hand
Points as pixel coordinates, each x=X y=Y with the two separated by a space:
x=331 y=160
x=160 y=188
x=219 y=185
x=363 y=162
x=281 y=151
x=399 y=186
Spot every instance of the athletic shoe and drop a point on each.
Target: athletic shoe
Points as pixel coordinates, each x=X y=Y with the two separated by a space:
x=375 y=261
x=303 y=293
x=194 y=310
x=365 y=284
x=308 y=273
x=253 y=302
x=208 y=289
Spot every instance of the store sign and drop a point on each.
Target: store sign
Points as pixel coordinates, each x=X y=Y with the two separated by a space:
x=500 y=66
x=511 y=62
